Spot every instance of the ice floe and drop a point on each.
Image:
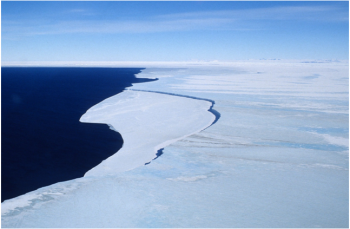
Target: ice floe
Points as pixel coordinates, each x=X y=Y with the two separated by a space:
x=148 y=122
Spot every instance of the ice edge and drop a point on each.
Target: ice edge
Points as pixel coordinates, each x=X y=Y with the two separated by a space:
x=158 y=148
x=213 y=111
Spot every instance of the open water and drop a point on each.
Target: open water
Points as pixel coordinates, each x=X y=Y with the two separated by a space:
x=43 y=141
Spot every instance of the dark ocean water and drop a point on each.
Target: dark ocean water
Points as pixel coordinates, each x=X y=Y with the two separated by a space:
x=43 y=141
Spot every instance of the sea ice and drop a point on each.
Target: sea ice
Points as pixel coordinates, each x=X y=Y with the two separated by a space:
x=156 y=119
x=277 y=157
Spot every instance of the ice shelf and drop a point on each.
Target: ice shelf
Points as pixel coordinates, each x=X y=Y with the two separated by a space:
x=277 y=157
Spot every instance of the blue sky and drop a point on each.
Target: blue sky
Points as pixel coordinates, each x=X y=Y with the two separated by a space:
x=173 y=31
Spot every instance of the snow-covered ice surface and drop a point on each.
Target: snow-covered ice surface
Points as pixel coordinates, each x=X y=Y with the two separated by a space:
x=156 y=120
x=277 y=157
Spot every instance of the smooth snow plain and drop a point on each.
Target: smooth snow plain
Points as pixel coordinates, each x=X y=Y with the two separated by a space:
x=277 y=157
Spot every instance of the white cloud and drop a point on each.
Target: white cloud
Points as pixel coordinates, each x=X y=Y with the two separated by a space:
x=242 y=19
x=272 y=13
x=115 y=26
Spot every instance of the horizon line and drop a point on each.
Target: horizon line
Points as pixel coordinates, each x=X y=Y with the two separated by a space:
x=153 y=63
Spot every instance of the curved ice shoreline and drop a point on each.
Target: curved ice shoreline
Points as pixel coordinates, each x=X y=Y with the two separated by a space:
x=255 y=168
x=156 y=118
x=147 y=121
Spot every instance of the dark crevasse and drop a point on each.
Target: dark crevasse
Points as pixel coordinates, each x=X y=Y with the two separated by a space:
x=214 y=112
x=43 y=141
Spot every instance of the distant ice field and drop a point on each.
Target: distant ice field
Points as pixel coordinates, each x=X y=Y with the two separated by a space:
x=276 y=157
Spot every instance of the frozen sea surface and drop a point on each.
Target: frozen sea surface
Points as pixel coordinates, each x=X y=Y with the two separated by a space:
x=277 y=157
x=156 y=120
